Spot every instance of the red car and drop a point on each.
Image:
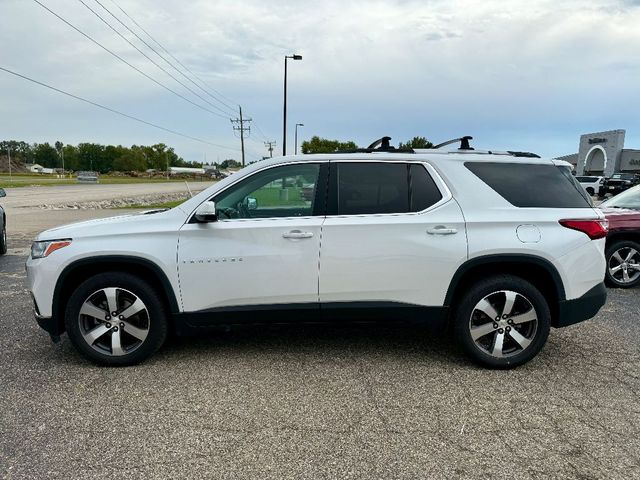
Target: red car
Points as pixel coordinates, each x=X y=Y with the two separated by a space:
x=623 y=241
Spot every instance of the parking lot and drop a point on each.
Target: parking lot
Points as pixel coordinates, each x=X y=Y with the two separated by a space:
x=316 y=402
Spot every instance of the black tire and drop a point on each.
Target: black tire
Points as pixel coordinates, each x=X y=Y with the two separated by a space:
x=3 y=239
x=527 y=296
x=153 y=318
x=623 y=247
x=590 y=191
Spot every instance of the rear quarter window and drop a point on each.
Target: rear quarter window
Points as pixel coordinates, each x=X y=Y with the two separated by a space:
x=531 y=185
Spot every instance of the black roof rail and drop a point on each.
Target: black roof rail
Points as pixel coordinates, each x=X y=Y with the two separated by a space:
x=380 y=145
x=464 y=143
x=523 y=154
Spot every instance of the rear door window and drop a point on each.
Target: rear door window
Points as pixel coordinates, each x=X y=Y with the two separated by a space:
x=381 y=187
x=532 y=185
x=365 y=188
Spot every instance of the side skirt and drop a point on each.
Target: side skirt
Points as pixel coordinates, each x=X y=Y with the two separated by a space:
x=194 y=323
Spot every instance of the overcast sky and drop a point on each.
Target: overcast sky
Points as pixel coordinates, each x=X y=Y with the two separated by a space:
x=518 y=75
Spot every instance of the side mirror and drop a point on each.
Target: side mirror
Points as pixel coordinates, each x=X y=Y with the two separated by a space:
x=206 y=213
x=2 y=193
x=252 y=203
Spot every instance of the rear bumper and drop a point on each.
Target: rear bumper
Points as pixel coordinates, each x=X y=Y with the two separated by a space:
x=582 y=308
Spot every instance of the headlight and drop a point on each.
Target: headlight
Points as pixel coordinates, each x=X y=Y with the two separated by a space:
x=44 y=249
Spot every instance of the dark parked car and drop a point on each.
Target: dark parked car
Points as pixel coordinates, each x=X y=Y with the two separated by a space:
x=623 y=241
x=618 y=183
x=3 y=226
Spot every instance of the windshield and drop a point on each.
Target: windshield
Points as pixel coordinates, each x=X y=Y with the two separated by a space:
x=627 y=199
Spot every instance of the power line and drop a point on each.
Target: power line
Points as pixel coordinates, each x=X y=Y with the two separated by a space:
x=95 y=104
x=179 y=62
x=124 y=61
x=162 y=56
x=151 y=60
x=264 y=137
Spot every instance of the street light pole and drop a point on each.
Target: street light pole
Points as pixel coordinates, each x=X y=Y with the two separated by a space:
x=284 y=116
x=297 y=125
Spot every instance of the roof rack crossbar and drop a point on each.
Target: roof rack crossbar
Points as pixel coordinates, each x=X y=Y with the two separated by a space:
x=381 y=145
x=464 y=143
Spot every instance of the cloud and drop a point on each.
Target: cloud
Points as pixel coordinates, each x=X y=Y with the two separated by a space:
x=519 y=74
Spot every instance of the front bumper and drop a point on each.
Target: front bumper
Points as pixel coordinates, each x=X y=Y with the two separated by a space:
x=582 y=308
x=51 y=325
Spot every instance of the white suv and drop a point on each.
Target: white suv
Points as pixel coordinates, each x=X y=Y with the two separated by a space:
x=460 y=236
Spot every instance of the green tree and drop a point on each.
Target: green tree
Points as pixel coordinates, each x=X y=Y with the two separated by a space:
x=46 y=156
x=324 y=145
x=90 y=157
x=71 y=160
x=19 y=149
x=130 y=160
x=416 y=142
x=230 y=163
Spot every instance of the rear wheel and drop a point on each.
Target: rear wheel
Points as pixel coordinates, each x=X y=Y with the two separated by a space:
x=116 y=319
x=590 y=191
x=502 y=322
x=623 y=264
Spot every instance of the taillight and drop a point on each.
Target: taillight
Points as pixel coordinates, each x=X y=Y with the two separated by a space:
x=594 y=229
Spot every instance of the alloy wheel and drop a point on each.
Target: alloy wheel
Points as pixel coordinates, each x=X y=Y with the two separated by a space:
x=503 y=324
x=114 y=321
x=624 y=265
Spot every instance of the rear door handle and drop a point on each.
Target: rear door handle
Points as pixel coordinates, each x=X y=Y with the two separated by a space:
x=441 y=230
x=296 y=234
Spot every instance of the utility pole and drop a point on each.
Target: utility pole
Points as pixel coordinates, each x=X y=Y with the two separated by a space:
x=270 y=146
x=239 y=127
x=61 y=153
x=166 y=159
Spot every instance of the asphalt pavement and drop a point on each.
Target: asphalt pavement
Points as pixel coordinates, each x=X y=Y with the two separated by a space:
x=319 y=402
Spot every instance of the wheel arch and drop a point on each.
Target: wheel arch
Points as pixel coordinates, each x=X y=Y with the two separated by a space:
x=77 y=272
x=539 y=272
x=622 y=236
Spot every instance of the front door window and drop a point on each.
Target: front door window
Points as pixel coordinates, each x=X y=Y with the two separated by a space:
x=287 y=191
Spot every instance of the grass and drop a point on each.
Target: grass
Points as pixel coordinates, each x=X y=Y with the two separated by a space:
x=270 y=197
x=28 y=180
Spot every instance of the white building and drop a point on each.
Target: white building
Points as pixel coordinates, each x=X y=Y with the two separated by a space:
x=193 y=171
x=36 y=168
x=603 y=153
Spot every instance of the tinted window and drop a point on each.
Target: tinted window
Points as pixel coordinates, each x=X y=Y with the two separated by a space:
x=287 y=191
x=531 y=185
x=587 y=179
x=424 y=191
x=372 y=188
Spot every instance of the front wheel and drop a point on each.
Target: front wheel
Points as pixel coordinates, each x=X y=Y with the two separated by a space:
x=116 y=319
x=623 y=264
x=502 y=322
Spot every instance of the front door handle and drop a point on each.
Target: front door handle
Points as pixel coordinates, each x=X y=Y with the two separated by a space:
x=296 y=234
x=441 y=230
